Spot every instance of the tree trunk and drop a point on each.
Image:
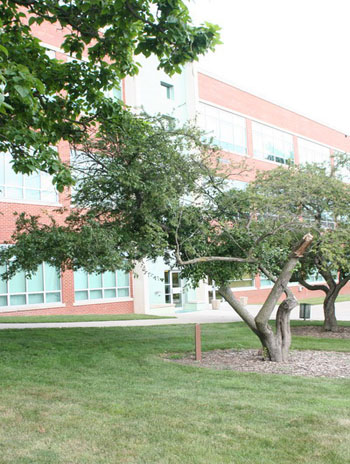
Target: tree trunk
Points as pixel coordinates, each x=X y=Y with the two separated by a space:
x=330 y=321
x=277 y=344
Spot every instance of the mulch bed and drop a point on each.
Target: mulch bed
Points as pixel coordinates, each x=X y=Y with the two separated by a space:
x=305 y=363
x=301 y=363
x=317 y=331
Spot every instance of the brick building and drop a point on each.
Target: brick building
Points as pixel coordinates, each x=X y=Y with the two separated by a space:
x=244 y=125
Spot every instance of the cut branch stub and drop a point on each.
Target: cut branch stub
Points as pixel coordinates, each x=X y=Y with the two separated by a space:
x=302 y=246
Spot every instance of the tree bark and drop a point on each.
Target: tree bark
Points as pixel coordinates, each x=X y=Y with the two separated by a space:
x=330 y=321
x=275 y=345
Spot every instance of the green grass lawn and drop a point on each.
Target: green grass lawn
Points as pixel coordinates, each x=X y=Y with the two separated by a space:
x=319 y=300
x=79 y=318
x=106 y=396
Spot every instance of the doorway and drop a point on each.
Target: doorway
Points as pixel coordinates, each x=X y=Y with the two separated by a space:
x=173 y=288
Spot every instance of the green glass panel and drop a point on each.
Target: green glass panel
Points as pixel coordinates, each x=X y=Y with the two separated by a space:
x=32 y=181
x=95 y=294
x=36 y=298
x=241 y=283
x=32 y=194
x=2 y=169
x=109 y=279
x=50 y=197
x=176 y=280
x=54 y=297
x=80 y=279
x=36 y=283
x=123 y=292
x=123 y=279
x=18 y=283
x=81 y=296
x=12 y=178
x=3 y=286
x=177 y=300
x=16 y=300
x=166 y=277
x=110 y=294
x=52 y=278
x=14 y=193
x=95 y=280
x=3 y=301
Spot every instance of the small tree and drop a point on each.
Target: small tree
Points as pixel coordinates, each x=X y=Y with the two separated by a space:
x=234 y=233
x=317 y=196
x=146 y=190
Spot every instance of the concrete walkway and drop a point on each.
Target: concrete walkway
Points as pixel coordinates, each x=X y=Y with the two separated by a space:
x=224 y=314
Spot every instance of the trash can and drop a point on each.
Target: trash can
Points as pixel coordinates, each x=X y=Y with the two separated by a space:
x=305 y=311
x=215 y=304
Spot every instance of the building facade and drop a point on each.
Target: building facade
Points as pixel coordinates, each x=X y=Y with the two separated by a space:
x=245 y=126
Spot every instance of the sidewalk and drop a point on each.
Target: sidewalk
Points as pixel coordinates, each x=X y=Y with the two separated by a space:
x=224 y=314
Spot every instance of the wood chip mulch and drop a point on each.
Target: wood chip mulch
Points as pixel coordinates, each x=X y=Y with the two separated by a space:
x=317 y=331
x=301 y=363
x=306 y=363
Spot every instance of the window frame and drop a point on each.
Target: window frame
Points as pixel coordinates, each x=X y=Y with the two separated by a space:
x=101 y=299
x=5 y=161
x=27 y=293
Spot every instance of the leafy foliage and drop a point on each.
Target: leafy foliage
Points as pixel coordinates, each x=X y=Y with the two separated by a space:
x=44 y=100
x=132 y=177
x=321 y=201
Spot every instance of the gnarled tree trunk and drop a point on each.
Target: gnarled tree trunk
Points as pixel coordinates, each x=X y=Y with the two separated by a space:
x=331 y=290
x=330 y=321
x=276 y=344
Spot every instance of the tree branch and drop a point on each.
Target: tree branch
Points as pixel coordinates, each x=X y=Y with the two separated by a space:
x=305 y=284
x=264 y=314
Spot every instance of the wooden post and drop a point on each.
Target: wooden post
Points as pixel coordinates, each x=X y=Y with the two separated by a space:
x=198 y=342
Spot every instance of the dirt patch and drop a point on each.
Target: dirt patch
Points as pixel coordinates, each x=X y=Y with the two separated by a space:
x=317 y=331
x=301 y=363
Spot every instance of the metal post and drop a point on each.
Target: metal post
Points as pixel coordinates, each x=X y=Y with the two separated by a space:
x=198 y=342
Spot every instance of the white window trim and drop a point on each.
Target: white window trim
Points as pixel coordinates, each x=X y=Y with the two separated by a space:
x=30 y=202
x=101 y=301
x=7 y=309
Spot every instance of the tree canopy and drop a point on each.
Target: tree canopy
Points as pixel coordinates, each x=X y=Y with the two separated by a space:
x=147 y=189
x=318 y=198
x=132 y=176
x=44 y=100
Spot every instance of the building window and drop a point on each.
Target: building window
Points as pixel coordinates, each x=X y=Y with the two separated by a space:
x=310 y=152
x=42 y=288
x=109 y=285
x=272 y=144
x=32 y=188
x=246 y=281
x=265 y=282
x=227 y=130
x=115 y=93
x=168 y=90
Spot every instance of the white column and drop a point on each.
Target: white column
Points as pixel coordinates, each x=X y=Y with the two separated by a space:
x=141 y=290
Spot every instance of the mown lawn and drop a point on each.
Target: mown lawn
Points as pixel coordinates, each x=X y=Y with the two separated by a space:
x=78 y=318
x=319 y=300
x=106 y=396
